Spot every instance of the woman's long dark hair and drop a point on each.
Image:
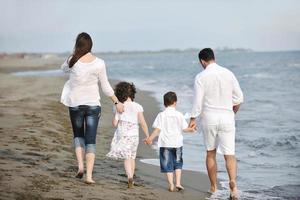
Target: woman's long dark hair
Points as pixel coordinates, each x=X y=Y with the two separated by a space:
x=83 y=46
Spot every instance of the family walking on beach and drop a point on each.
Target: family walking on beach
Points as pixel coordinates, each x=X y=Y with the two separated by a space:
x=217 y=97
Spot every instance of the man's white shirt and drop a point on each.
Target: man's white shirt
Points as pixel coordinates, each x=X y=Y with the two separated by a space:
x=216 y=92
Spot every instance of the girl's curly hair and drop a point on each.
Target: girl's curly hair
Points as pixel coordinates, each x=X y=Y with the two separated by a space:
x=123 y=90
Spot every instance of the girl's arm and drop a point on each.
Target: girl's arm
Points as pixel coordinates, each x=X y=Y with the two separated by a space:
x=115 y=121
x=143 y=123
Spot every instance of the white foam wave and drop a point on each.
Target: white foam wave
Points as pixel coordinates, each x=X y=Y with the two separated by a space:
x=259 y=76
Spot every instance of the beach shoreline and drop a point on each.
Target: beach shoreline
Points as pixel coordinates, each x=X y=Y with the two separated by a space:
x=37 y=159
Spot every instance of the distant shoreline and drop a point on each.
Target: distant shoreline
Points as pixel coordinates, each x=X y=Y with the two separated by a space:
x=217 y=50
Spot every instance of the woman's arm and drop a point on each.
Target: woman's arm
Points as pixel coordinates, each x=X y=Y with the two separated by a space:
x=107 y=89
x=143 y=123
x=119 y=105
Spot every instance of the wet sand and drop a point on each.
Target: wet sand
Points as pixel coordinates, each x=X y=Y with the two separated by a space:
x=36 y=156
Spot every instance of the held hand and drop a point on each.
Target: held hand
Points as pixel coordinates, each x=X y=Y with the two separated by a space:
x=193 y=123
x=193 y=127
x=236 y=108
x=120 y=107
x=147 y=141
x=190 y=130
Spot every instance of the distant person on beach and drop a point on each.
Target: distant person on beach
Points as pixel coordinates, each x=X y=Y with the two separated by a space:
x=217 y=97
x=126 y=138
x=169 y=126
x=81 y=95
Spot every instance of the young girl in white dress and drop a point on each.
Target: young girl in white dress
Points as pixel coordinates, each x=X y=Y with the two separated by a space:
x=126 y=138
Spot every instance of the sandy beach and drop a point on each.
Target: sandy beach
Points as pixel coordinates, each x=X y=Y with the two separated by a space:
x=36 y=155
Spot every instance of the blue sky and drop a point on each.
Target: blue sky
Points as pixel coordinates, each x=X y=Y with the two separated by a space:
x=52 y=26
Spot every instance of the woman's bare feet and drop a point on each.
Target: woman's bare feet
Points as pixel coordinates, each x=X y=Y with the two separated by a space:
x=233 y=190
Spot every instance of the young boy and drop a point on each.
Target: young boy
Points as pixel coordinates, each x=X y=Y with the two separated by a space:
x=169 y=125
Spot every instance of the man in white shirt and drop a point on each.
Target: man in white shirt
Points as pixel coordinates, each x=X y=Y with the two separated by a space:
x=217 y=97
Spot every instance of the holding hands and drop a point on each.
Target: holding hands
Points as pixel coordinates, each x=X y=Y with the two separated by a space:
x=192 y=125
x=148 y=141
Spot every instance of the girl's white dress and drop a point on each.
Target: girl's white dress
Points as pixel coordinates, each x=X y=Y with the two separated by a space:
x=126 y=138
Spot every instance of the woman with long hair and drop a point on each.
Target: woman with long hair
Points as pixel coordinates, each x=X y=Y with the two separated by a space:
x=81 y=95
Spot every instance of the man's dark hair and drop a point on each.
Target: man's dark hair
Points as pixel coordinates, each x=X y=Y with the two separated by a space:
x=206 y=54
x=123 y=90
x=170 y=98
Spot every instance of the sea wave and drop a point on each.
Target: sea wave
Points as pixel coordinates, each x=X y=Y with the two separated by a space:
x=283 y=192
x=259 y=76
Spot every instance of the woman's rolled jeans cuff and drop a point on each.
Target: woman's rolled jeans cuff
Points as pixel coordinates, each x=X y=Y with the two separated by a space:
x=79 y=142
x=89 y=148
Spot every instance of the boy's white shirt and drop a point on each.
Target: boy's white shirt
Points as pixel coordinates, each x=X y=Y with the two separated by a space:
x=171 y=124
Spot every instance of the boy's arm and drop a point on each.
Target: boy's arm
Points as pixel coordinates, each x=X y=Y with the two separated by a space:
x=189 y=130
x=143 y=123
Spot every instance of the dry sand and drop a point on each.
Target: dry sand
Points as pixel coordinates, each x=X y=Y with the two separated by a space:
x=36 y=156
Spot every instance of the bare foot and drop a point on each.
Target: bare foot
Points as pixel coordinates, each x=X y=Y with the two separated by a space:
x=79 y=174
x=212 y=189
x=179 y=187
x=90 y=181
x=130 y=183
x=171 y=188
x=233 y=190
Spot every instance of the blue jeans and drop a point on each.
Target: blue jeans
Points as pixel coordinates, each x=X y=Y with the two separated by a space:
x=84 y=121
x=170 y=159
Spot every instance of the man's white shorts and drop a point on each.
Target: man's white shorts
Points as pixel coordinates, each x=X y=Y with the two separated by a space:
x=220 y=136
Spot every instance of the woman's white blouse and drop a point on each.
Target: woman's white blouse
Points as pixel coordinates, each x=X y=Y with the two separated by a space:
x=82 y=87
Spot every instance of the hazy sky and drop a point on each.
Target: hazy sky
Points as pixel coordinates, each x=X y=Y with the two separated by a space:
x=52 y=25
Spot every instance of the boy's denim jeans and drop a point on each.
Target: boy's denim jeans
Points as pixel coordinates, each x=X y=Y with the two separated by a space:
x=85 y=121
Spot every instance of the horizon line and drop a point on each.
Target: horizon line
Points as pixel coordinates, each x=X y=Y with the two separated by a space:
x=224 y=49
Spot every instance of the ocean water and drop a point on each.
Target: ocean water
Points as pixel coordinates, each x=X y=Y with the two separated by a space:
x=268 y=124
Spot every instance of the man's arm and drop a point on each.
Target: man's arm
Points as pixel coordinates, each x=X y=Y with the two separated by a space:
x=197 y=102
x=237 y=95
x=236 y=108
